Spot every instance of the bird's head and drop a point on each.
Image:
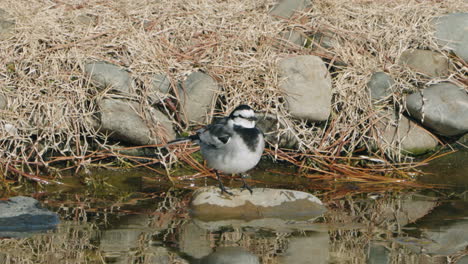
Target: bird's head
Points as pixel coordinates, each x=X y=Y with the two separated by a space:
x=243 y=116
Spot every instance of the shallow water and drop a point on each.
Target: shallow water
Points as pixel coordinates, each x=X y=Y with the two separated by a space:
x=136 y=216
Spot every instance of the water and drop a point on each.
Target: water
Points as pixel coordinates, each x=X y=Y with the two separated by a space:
x=137 y=216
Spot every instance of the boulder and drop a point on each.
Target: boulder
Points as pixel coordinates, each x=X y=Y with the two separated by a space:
x=307 y=84
x=197 y=96
x=276 y=131
x=441 y=107
x=21 y=216
x=122 y=121
x=451 y=32
x=7 y=25
x=402 y=132
x=107 y=75
x=160 y=87
x=425 y=62
x=380 y=85
x=208 y=204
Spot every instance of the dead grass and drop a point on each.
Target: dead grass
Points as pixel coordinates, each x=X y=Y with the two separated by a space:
x=51 y=103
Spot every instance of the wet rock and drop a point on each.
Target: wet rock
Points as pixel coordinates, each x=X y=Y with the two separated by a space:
x=378 y=254
x=108 y=75
x=230 y=255
x=404 y=133
x=160 y=87
x=307 y=84
x=452 y=33
x=22 y=216
x=463 y=260
x=198 y=92
x=3 y=102
x=287 y=8
x=380 y=86
x=412 y=208
x=301 y=249
x=426 y=62
x=442 y=107
x=209 y=205
x=194 y=242
x=447 y=239
x=122 y=121
x=87 y=19
x=276 y=131
x=7 y=25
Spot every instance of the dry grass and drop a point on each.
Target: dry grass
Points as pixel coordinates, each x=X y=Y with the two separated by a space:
x=51 y=103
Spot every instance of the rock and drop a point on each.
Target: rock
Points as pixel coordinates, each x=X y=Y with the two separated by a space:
x=463 y=260
x=193 y=242
x=287 y=8
x=10 y=129
x=230 y=255
x=21 y=216
x=7 y=25
x=405 y=134
x=108 y=75
x=447 y=239
x=327 y=40
x=378 y=254
x=3 y=102
x=442 y=107
x=301 y=249
x=87 y=20
x=426 y=62
x=294 y=37
x=121 y=119
x=209 y=205
x=276 y=131
x=411 y=208
x=451 y=31
x=198 y=92
x=307 y=84
x=160 y=86
x=380 y=86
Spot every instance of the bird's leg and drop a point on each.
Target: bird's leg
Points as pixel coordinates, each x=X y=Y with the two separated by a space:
x=244 y=185
x=221 y=185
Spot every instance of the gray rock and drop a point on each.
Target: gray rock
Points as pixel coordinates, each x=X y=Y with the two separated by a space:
x=452 y=33
x=447 y=239
x=230 y=255
x=287 y=8
x=121 y=119
x=197 y=94
x=426 y=62
x=160 y=87
x=294 y=37
x=3 y=102
x=307 y=84
x=209 y=205
x=21 y=216
x=7 y=25
x=276 y=131
x=315 y=248
x=380 y=86
x=411 y=208
x=463 y=260
x=378 y=254
x=193 y=242
x=404 y=133
x=442 y=107
x=327 y=40
x=87 y=19
x=108 y=75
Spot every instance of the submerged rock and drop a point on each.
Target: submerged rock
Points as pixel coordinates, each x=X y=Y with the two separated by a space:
x=209 y=205
x=441 y=107
x=230 y=255
x=109 y=75
x=121 y=120
x=197 y=94
x=307 y=84
x=451 y=31
x=300 y=249
x=404 y=133
x=426 y=62
x=22 y=216
x=380 y=85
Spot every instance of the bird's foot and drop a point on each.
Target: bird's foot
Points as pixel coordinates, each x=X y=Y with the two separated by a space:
x=224 y=190
x=245 y=185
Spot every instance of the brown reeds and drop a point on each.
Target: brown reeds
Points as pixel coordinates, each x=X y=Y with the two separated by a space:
x=52 y=105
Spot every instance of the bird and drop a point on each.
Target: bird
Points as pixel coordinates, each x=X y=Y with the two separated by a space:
x=232 y=144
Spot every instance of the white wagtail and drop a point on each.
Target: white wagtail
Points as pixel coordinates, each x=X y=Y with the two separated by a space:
x=232 y=144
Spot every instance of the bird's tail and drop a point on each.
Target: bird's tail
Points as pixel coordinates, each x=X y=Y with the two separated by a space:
x=183 y=139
